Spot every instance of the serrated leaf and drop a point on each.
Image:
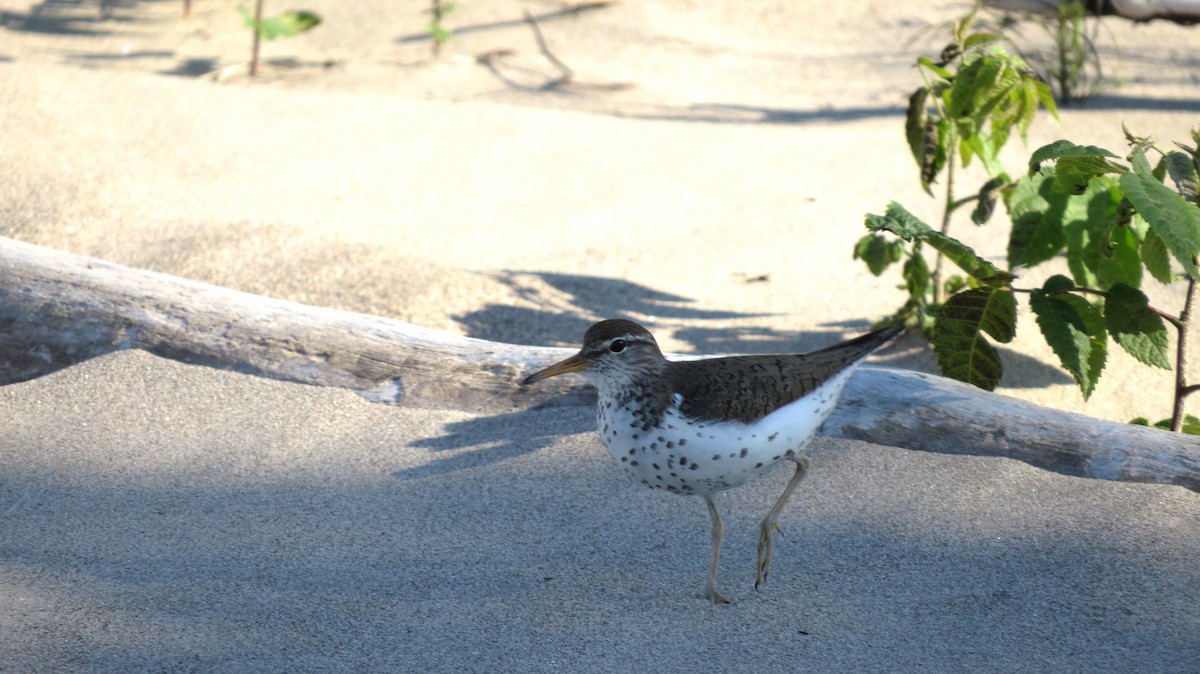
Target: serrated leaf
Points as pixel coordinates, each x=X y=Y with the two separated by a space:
x=933 y=153
x=1134 y=326
x=1073 y=173
x=963 y=352
x=289 y=24
x=916 y=275
x=1074 y=329
x=1065 y=148
x=985 y=204
x=1173 y=219
x=1182 y=170
x=915 y=123
x=878 y=252
x=909 y=227
x=980 y=40
x=1100 y=254
x=935 y=68
x=1156 y=258
x=1037 y=229
x=1058 y=284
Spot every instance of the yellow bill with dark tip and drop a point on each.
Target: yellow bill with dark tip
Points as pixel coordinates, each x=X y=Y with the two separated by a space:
x=573 y=364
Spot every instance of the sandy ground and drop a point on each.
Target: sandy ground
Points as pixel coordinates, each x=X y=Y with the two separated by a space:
x=157 y=516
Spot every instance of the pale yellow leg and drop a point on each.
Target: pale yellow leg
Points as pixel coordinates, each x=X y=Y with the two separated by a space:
x=766 y=536
x=718 y=529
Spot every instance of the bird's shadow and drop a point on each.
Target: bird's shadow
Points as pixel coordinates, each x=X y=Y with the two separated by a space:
x=496 y=438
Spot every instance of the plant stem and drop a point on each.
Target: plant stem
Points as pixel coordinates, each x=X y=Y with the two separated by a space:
x=258 y=6
x=439 y=13
x=1181 y=351
x=951 y=156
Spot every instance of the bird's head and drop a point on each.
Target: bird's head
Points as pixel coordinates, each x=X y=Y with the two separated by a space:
x=614 y=351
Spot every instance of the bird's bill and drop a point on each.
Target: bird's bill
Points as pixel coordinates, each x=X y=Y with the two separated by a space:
x=573 y=364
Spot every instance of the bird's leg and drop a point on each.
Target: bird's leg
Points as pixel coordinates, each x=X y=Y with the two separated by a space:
x=766 y=536
x=718 y=529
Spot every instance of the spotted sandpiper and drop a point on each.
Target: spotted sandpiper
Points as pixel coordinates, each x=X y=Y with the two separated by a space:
x=705 y=426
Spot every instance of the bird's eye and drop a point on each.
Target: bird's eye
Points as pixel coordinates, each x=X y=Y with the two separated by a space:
x=617 y=346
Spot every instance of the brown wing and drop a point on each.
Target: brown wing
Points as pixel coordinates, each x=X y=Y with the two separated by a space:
x=747 y=388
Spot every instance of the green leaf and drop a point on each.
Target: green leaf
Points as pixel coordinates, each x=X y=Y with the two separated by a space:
x=1058 y=284
x=1037 y=230
x=915 y=123
x=288 y=24
x=1190 y=426
x=1074 y=173
x=1182 y=169
x=1099 y=253
x=878 y=252
x=907 y=226
x=916 y=276
x=934 y=68
x=933 y=152
x=1074 y=329
x=985 y=204
x=1065 y=148
x=962 y=350
x=1156 y=258
x=1173 y=219
x=1136 y=327
x=980 y=40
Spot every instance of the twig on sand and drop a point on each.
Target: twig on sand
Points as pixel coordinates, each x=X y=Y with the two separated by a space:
x=13 y=508
x=567 y=73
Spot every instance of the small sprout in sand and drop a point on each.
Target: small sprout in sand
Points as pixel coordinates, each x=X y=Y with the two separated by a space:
x=287 y=24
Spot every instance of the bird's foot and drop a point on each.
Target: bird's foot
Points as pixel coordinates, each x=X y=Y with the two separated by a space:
x=766 y=546
x=711 y=594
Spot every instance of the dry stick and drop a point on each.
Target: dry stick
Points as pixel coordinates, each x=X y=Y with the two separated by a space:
x=58 y=309
x=567 y=73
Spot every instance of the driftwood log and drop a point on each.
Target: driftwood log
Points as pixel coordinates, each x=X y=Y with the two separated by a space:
x=57 y=309
x=1179 y=11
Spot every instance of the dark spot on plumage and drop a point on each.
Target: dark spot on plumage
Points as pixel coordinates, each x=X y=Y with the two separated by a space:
x=633 y=463
x=771 y=437
x=694 y=466
x=661 y=439
x=653 y=445
x=683 y=461
x=716 y=457
x=655 y=466
x=758 y=465
x=624 y=459
x=776 y=457
x=632 y=451
x=682 y=442
x=635 y=436
x=744 y=452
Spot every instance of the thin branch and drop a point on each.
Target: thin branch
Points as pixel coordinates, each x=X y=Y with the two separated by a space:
x=1174 y=321
x=1181 y=355
x=567 y=73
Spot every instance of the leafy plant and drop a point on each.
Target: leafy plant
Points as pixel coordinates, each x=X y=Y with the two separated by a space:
x=287 y=24
x=1073 y=67
x=1115 y=222
x=436 y=27
x=969 y=105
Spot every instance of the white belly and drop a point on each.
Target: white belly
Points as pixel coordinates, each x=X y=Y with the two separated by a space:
x=691 y=456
